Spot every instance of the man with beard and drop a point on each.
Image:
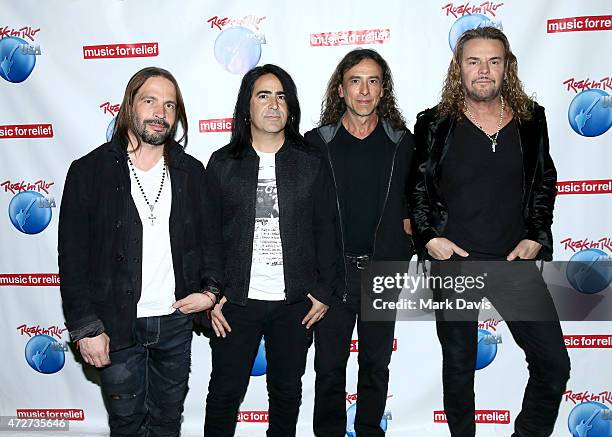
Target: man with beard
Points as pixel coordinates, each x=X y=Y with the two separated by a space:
x=368 y=149
x=484 y=190
x=134 y=258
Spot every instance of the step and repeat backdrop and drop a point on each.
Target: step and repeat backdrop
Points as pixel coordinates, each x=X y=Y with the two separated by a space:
x=64 y=66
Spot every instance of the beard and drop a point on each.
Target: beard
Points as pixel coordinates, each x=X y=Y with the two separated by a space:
x=153 y=138
x=482 y=95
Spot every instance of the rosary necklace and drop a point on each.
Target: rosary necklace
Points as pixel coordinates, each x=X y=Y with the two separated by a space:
x=161 y=186
x=493 y=137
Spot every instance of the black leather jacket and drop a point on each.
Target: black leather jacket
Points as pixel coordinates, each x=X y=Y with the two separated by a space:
x=307 y=222
x=539 y=179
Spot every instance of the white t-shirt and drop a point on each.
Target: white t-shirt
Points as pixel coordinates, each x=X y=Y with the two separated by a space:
x=157 y=295
x=267 y=277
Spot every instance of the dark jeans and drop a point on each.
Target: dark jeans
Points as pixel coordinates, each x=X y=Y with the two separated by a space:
x=145 y=385
x=542 y=342
x=286 y=342
x=332 y=348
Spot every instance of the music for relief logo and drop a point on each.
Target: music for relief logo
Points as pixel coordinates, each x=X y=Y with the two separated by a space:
x=355 y=345
x=579 y=24
x=216 y=125
x=593 y=186
x=114 y=51
x=501 y=417
x=350 y=37
x=238 y=46
x=18 y=52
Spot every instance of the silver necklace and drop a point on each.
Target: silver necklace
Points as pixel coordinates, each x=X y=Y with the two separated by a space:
x=161 y=186
x=493 y=137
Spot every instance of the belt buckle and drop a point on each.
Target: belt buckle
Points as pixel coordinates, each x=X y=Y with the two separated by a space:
x=362 y=262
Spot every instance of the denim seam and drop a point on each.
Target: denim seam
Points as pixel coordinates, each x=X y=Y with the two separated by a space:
x=157 y=335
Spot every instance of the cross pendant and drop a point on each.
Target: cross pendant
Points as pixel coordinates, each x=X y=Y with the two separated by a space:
x=152 y=218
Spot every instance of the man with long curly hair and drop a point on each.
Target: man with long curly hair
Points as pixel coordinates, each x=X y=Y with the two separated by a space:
x=368 y=149
x=484 y=190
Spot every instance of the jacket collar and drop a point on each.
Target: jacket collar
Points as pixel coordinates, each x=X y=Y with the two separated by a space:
x=329 y=131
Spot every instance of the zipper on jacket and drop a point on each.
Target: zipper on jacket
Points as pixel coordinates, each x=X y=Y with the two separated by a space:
x=382 y=212
x=331 y=165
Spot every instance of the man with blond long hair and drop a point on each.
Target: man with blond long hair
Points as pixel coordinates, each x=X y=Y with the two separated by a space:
x=368 y=149
x=484 y=190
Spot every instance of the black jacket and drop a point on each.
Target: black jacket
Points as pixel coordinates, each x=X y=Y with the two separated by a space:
x=432 y=133
x=390 y=242
x=100 y=241
x=306 y=220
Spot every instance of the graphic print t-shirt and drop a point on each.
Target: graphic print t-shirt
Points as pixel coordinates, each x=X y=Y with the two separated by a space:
x=267 y=278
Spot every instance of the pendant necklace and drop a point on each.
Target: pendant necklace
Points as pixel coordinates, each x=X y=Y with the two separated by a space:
x=161 y=186
x=493 y=137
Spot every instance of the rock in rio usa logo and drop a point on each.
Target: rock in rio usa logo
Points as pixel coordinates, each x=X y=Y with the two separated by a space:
x=238 y=46
x=45 y=354
x=29 y=210
x=590 y=112
x=17 y=56
x=590 y=419
x=470 y=16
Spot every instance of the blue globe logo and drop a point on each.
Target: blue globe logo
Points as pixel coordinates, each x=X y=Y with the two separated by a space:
x=589 y=271
x=110 y=130
x=29 y=212
x=588 y=115
x=237 y=49
x=487 y=349
x=467 y=22
x=350 y=421
x=587 y=420
x=15 y=65
x=44 y=354
x=260 y=363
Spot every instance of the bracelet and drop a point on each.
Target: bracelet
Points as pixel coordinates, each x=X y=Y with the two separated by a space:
x=206 y=293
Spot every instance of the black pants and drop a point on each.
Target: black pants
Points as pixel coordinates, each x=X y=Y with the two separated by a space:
x=542 y=342
x=145 y=385
x=332 y=348
x=286 y=342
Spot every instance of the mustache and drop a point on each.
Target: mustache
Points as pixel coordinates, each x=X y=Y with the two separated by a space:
x=164 y=123
x=484 y=78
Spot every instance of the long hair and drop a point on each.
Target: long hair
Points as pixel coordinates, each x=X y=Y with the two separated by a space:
x=241 y=128
x=334 y=107
x=125 y=118
x=453 y=93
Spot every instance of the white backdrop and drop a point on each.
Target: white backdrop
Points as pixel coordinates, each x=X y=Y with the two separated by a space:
x=77 y=93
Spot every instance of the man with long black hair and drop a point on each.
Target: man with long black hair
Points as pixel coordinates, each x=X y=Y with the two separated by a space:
x=273 y=198
x=368 y=149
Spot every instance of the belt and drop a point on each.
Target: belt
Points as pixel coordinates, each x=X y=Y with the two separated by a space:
x=360 y=261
